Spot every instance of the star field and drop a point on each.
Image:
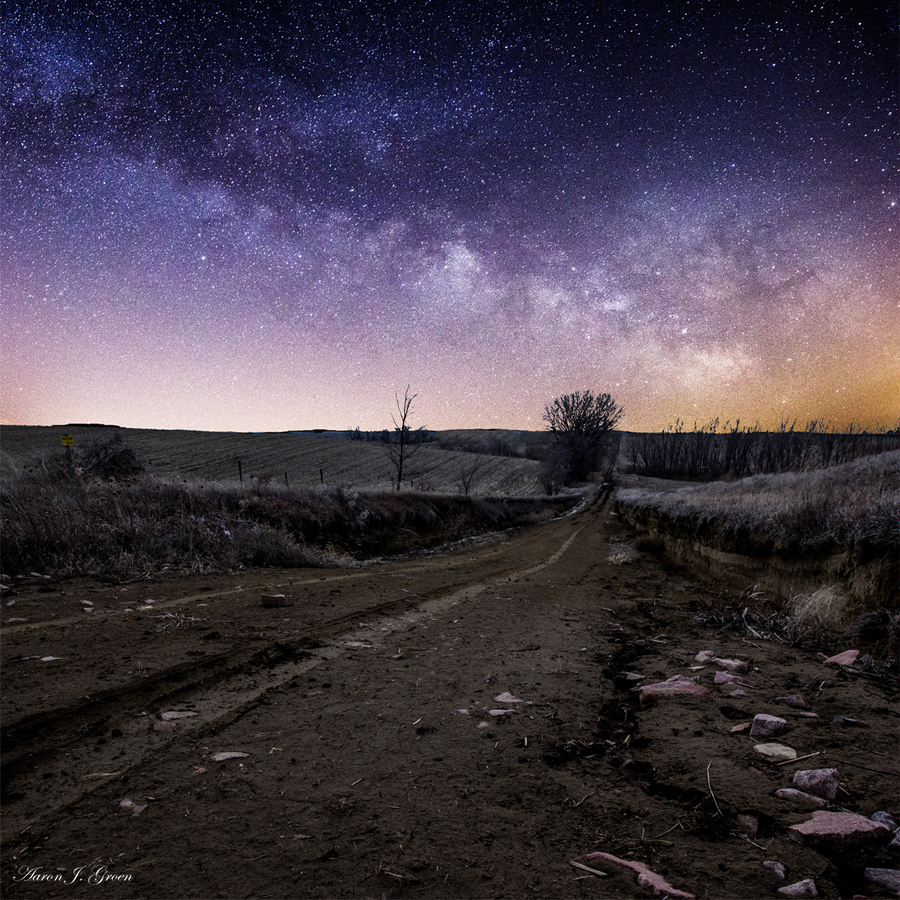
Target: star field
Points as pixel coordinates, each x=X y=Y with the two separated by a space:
x=276 y=218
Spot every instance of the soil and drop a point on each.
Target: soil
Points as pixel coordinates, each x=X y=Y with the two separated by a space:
x=371 y=765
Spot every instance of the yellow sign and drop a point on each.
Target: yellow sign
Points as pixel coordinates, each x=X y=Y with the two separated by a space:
x=68 y=440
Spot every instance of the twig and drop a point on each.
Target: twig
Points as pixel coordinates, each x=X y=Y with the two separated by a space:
x=784 y=762
x=591 y=794
x=711 y=794
x=579 y=865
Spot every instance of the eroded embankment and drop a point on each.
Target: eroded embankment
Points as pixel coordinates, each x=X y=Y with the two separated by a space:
x=736 y=559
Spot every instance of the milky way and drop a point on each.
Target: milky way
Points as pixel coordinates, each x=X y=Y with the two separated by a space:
x=268 y=220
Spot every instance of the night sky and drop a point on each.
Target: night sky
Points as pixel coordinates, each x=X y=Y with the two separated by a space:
x=228 y=217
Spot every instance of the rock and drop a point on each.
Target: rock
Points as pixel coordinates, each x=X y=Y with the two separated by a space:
x=274 y=600
x=795 y=701
x=799 y=797
x=821 y=782
x=633 y=676
x=886 y=878
x=740 y=729
x=893 y=848
x=805 y=888
x=884 y=818
x=704 y=656
x=738 y=693
x=776 y=868
x=646 y=877
x=496 y=713
x=747 y=824
x=838 y=832
x=165 y=727
x=775 y=752
x=728 y=678
x=847 y=658
x=767 y=726
x=735 y=666
x=671 y=688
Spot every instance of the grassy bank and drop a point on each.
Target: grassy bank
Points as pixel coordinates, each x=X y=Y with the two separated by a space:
x=67 y=525
x=842 y=506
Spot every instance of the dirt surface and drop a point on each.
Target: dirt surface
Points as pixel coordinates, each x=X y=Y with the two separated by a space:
x=374 y=767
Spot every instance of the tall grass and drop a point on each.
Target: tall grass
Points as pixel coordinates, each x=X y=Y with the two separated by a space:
x=713 y=451
x=63 y=523
x=851 y=504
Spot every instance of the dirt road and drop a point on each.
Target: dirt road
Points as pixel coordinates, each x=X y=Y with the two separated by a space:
x=452 y=725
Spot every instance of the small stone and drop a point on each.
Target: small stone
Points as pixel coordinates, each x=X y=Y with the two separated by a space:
x=886 y=878
x=884 y=818
x=847 y=658
x=738 y=693
x=767 y=726
x=821 y=782
x=740 y=729
x=728 y=678
x=633 y=676
x=805 y=888
x=799 y=797
x=838 y=832
x=165 y=727
x=704 y=656
x=747 y=824
x=776 y=752
x=776 y=868
x=735 y=666
x=893 y=848
x=671 y=688
x=795 y=701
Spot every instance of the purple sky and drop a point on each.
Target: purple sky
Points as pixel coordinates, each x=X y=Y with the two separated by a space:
x=268 y=220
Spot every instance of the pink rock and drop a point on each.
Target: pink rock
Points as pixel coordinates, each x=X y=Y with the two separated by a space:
x=735 y=666
x=747 y=824
x=671 y=688
x=767 y=726
x=496 y=713
x=805 y=888
x=738 y=693
x=646 y=877
x=795 y=701
x=728 y=678
x=799 y=797
x=847 y=658
x=739 y=729
x=776 y=868
x=821 y=782
x=838 y=832
x=886 y=878
x=776 y=752
x=678 y=679
x=704 y=656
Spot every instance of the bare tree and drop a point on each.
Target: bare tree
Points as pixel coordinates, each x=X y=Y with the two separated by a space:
x=404 y=441
x=468 y=470
x=582 y=424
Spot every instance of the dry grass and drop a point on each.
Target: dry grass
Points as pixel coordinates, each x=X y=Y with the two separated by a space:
x=842 y=506
x=61 y=523
x=812 y=617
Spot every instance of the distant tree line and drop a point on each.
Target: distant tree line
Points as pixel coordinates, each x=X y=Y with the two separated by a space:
x=713 y=451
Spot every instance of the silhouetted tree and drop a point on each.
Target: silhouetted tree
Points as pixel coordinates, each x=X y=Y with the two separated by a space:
x=405 y=441
x=582 y=424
